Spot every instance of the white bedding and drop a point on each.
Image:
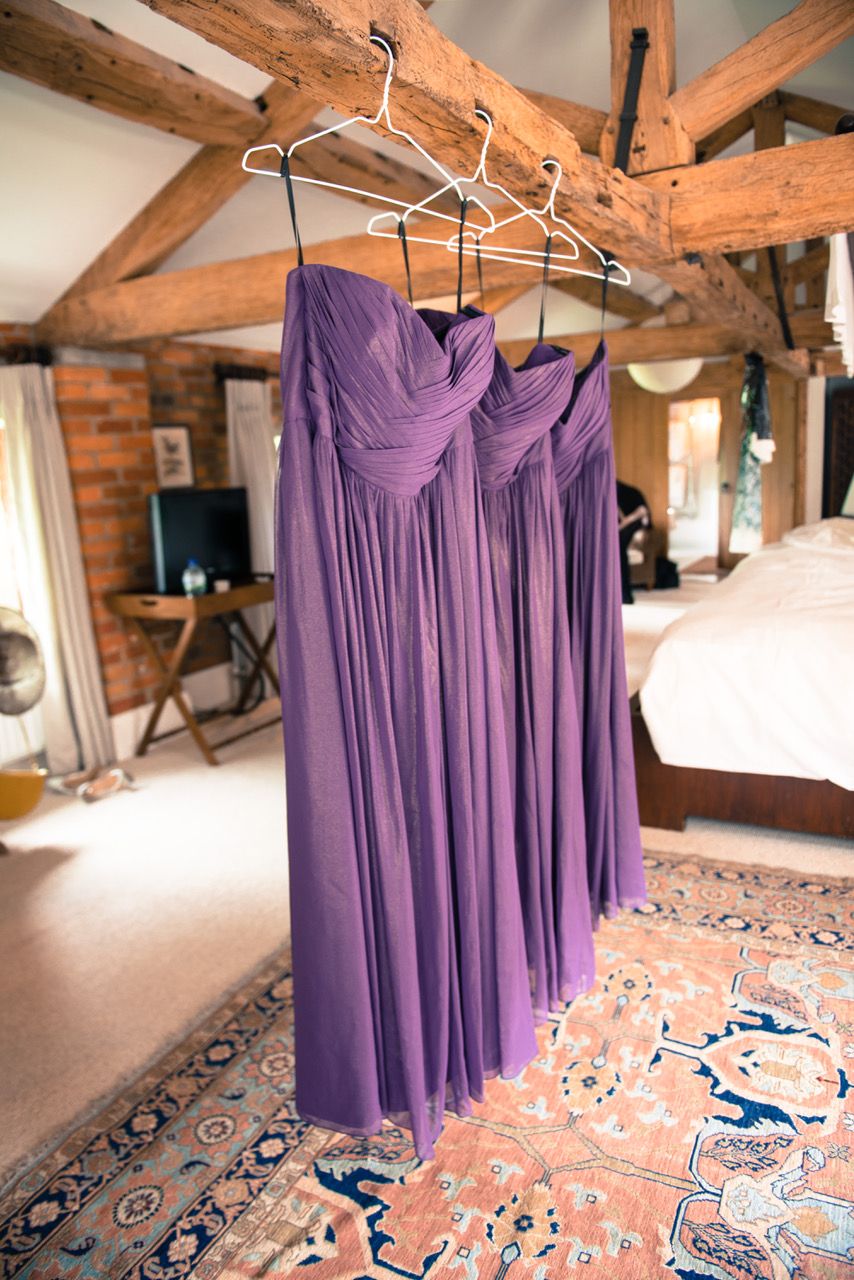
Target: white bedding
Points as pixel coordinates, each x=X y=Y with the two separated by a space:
x=759 y=678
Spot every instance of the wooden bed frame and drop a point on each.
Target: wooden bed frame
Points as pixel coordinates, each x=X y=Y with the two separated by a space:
x=668 y=794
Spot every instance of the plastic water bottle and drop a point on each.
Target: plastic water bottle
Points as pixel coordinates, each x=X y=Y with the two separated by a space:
x=194 y=579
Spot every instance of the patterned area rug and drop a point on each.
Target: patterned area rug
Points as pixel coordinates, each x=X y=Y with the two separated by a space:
x=690 y=1117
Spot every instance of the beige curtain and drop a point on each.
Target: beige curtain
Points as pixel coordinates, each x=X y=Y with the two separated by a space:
x=52 y=583
x=252 y=464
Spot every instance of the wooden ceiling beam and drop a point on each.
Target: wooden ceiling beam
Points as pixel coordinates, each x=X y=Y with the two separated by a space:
x=323 y=45
x=659 y=139
x=814 y=279
x=807 y=269
x=809 y=265
x=250 y=291
x=822 y=116
x=621 y=301
x=724 y=136
x=495 y=300
x=769 y=130
x=215 y=174
x=717 y=294
x=671 y=342
x=780 y=195
x=585 y=123
x=62 y=50
x=762 y=64
x=247 y=291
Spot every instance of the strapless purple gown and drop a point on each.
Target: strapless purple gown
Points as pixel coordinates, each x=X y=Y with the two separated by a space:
x=410 y=974
x=584 y=468
x=512 y=425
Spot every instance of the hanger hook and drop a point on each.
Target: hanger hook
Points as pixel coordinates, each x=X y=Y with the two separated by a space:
x=550 y=203
x=389 y=75
x=481 y=164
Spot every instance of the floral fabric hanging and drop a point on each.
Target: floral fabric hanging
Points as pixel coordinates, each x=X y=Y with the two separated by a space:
x=757 y=449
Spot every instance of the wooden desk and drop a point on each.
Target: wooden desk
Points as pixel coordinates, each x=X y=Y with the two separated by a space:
x=137 y=607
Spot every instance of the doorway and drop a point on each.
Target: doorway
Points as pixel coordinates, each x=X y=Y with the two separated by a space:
x=693 y=442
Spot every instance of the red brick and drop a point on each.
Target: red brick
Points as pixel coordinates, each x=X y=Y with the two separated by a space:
x=131 y=408
x=93 y=443
x=91 y=493
x=90 y=407
x=119 y=458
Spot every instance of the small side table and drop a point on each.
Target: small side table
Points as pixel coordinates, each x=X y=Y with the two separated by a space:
x=137 y=607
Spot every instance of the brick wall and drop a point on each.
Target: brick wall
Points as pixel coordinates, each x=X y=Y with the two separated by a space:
x=106 y=420
x=13 y=335
x=106 y=416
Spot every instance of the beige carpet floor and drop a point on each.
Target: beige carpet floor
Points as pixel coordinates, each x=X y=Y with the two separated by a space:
x=124 y=922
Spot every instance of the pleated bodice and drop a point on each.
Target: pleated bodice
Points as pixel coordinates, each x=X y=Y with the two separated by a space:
x=518 y=410
x=583 y=429
x=378 y=383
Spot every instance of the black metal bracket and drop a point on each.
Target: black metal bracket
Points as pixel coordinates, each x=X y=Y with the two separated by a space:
x=628 y=118
x=629 y=113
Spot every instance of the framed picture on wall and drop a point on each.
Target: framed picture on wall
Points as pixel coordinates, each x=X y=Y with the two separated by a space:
x=173 y=457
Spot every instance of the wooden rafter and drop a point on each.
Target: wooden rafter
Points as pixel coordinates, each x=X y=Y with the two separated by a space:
x=717 y=294
x=724 y=136
x=658 y=138
x=435 y=87
x=671 y=342
x=214 y=174
x=762 y=64
x=814 y=280
x=55 y=47
x=247 y=291
x=769 y=197
x=584 y=123
x=495 y=300
x=822 y=116
x=323 y=44
x=769 y=130
x=250 y=291
x=620 y=301
x=810 y=267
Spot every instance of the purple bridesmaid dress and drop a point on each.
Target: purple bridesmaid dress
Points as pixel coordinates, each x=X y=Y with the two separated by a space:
x=410 y=975
x=584 y=469
x=512 y=425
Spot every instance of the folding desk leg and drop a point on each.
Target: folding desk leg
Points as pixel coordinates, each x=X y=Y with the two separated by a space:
x=171 y=688
x=259 y=652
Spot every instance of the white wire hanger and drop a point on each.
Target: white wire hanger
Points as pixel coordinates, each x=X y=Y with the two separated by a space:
x=471 y=243
x=470 y=232
x=382 y=116
x=612 y=270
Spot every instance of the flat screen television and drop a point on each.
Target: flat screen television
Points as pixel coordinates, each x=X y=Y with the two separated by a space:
x=210 y=526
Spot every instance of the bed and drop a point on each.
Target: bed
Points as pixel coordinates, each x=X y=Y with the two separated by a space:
x=746 y=709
